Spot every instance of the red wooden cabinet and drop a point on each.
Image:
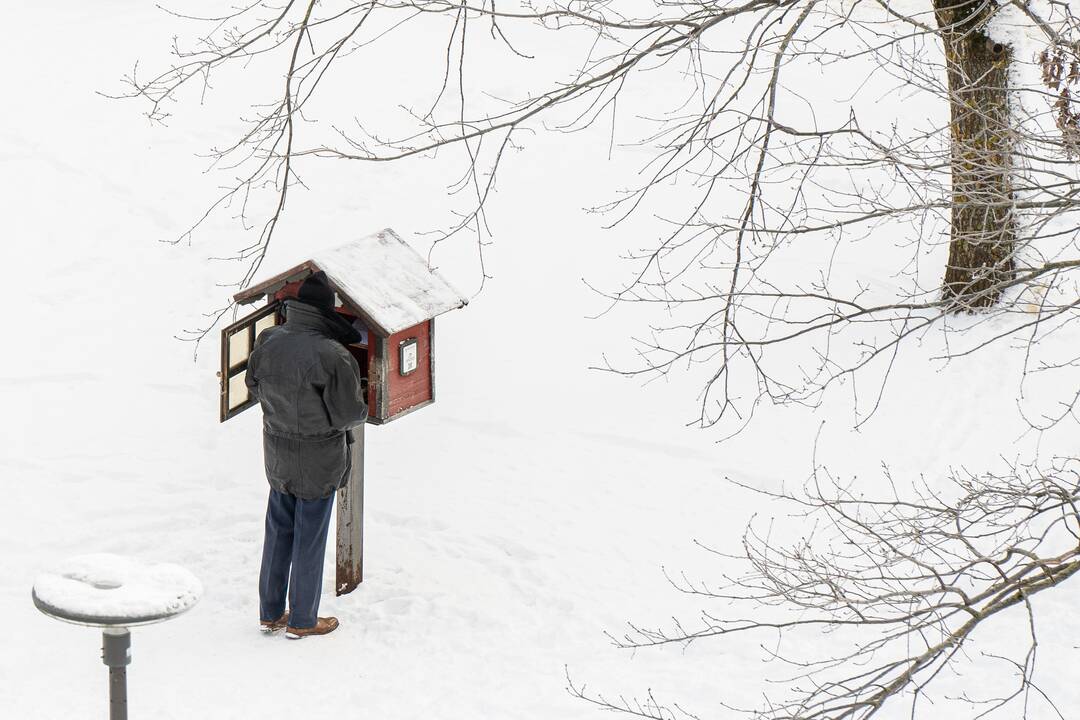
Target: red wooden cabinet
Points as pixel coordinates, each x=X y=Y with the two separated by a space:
x=398 y=369
x=384 y=284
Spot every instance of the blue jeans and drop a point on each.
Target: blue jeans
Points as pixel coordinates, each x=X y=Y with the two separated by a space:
x=292 y=560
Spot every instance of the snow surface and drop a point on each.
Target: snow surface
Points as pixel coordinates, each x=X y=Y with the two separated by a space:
x=534 y=507
x=112 y=589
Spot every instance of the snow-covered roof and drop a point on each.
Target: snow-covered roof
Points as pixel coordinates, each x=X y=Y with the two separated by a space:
x=380 y=275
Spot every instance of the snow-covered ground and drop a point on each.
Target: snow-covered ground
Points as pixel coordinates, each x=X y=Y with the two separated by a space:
x=531 y=509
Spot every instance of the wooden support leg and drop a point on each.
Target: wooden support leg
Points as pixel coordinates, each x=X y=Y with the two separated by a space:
x=350 y=522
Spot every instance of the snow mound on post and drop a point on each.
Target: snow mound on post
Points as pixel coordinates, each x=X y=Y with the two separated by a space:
x=106 y=589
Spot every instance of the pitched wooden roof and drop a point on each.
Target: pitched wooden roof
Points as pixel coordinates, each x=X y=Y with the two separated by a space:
x=381 y=276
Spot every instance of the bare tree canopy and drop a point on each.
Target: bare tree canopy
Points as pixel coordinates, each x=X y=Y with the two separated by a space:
x=783 y=125
x=895 y=587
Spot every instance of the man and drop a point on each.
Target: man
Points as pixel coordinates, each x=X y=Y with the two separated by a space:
x=310 y=390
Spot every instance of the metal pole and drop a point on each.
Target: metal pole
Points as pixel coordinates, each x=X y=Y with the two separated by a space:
x=116 y=653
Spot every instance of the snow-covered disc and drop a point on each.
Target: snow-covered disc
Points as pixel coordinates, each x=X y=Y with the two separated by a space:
x=105 y=590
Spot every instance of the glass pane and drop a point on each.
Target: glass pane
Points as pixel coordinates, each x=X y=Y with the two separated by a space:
x=239 y=347
x=238 y=392
x=267 y=322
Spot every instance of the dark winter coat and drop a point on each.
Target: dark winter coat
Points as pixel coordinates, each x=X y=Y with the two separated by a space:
x=309 y=387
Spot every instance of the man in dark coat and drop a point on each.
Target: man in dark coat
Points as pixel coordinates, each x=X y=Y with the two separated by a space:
x=309 y=387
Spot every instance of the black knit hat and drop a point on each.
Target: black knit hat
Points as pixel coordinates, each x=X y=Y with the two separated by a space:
x=316 y=291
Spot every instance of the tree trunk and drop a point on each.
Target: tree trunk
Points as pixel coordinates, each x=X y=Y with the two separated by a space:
x=983 y=231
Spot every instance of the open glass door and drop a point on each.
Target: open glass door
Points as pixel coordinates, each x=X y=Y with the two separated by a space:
x=237 y=342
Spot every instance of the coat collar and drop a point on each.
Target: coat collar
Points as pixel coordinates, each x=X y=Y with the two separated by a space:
x=304 y=317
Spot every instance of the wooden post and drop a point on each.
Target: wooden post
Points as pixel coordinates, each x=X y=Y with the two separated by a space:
x=350 y=521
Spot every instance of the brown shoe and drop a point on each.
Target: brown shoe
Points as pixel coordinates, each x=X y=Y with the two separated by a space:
x=269 y=626
x=323 y=626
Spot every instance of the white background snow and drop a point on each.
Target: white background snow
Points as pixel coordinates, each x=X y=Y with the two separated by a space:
x=531 y=509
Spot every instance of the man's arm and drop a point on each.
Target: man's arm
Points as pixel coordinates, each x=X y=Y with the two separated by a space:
x=342 y=395
x=250 y=378
x=252 y=383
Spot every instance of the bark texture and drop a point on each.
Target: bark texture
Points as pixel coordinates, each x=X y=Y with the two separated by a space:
x=983 y=234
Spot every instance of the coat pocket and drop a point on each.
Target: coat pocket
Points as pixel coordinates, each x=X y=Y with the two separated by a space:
x=322 y=464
